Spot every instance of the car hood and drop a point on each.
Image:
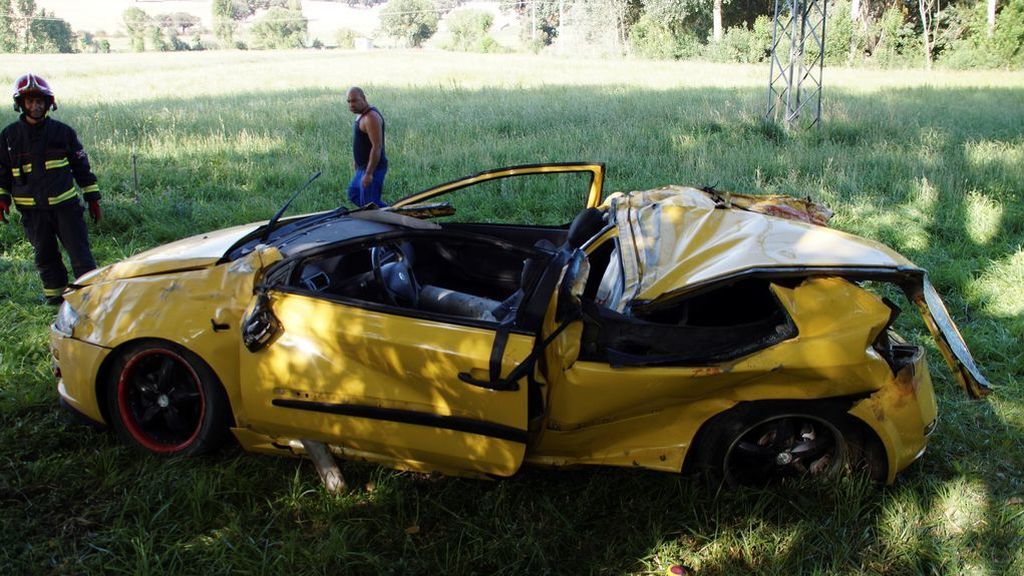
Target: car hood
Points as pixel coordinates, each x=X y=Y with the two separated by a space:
x=195 y=252
x=677 y=239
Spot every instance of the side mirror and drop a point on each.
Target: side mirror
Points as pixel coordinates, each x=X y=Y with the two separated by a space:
x=259 y=326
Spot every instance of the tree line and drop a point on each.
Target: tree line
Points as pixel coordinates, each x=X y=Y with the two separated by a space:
x=955 y=33
x=26 y=28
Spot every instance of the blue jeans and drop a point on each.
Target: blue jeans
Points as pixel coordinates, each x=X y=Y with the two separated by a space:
x=362 y=196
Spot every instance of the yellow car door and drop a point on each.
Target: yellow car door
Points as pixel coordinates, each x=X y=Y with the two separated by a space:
x=416 y=387
x=534 y=194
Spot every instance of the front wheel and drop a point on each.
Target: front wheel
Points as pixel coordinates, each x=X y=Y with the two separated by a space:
x=164 y=399
x=758 y=445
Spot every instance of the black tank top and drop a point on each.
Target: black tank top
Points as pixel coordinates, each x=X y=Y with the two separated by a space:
x=361 y=142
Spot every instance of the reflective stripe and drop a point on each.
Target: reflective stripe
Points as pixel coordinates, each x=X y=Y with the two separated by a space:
x=91 y=188
x=53 y=291
x=22 y=201
x=65 y=196
x=58 y=163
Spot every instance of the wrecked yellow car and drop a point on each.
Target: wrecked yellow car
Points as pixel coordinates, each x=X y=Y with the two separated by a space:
x=673 y=329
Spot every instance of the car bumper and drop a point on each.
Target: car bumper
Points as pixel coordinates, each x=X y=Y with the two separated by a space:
x=73 y=416
x=76 y=365
x=902 y=414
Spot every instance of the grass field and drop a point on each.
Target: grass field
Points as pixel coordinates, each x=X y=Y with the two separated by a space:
x=931 y=164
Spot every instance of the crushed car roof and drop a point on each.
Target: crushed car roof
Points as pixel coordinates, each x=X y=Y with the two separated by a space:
x=675 y=239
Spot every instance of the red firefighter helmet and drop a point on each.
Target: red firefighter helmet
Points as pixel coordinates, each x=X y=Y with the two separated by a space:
x=32 y=84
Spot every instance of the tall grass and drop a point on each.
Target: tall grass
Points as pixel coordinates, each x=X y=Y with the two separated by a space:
x=930 y=164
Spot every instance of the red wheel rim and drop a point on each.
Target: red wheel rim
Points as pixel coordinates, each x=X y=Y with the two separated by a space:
x=161 y=400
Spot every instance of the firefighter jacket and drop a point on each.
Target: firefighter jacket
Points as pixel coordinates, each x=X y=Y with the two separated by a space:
x=40 y=163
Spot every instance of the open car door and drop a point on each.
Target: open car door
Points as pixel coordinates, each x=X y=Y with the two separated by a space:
x=534 y=194
x=329 y=358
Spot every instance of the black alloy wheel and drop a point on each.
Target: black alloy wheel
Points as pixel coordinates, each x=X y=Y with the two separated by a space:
x=758 y=443
x=166 y=400
x=785 y=446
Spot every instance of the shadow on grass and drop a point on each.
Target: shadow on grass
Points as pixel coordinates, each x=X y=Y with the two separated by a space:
x=897 y=169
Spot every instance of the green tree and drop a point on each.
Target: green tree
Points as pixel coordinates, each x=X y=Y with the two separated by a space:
x=24 y=28
x=896 y=39
x=413 y=21
x=182 y=21
x=599 y=27
x=446 y=6
x=8 y=29
x=650 y=38
x=969 y=44
x=281 y=28
x=680 y=16
x=540 y=20
x=136 y=22
x=172 y=26
x=839 y=33
x=1006 y=42
x=243 y=9
x=48 y=33
x=22 y=12
x=156 y=39
x=223 y=24
x=468 y=28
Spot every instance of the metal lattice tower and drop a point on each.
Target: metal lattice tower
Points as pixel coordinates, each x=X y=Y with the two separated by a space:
x=797 y=60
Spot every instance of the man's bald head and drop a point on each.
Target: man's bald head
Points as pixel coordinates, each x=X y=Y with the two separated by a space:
x=356 y=99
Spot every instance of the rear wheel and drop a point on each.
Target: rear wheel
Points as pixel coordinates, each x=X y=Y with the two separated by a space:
x=760 y=444
x=164 y=399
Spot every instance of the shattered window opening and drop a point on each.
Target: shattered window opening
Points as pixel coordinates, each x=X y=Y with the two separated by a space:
x=718 y=325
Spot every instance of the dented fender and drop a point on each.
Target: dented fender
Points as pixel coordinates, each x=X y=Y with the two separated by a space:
x=199 y=309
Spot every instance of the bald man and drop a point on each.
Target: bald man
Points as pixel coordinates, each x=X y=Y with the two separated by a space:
x=370 y=162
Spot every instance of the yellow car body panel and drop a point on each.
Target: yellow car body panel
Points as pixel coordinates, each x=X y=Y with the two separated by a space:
x=199 y=309
x=902 y=414
x=79 y=363
x=647 y=416
x=195 y=252
x=680 y=238
x=364 y=380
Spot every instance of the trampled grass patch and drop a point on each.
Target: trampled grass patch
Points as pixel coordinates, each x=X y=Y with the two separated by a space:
x=927 y=163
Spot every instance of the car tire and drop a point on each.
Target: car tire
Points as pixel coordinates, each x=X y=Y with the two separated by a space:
x=165 y=400
x=756 y=444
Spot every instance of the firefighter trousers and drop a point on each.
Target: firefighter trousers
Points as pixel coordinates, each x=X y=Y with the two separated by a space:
x=66 y=224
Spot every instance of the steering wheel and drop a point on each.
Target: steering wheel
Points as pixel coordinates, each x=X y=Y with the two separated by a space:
x=392 y=271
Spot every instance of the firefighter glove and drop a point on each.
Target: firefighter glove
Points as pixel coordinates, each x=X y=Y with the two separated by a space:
x=5 y=209
x=94 y=211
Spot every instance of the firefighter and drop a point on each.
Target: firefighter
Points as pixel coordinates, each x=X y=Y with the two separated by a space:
x=39 y=167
